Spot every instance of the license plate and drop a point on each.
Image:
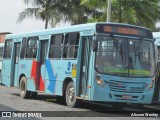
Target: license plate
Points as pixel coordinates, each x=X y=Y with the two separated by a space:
x=126 y=97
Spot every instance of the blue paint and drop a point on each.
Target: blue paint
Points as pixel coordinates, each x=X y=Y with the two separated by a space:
x=69 y=66
x=52 y=77
x=68 y=72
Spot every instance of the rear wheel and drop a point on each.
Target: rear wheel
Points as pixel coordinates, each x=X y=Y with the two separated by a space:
x=33 y=95
x=24 y=93
x=70 y=96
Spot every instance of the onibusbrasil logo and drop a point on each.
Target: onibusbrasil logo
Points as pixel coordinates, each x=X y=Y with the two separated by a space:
x=68 y=68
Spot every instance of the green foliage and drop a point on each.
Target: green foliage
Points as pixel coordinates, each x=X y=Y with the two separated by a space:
x=138 y=12
x=45 y=10
x=54 y=11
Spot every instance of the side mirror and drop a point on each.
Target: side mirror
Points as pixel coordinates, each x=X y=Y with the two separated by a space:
x=95 y=45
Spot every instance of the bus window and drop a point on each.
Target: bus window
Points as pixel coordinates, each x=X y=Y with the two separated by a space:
x=71 y=45
x=8 y=49
x=31 y=50
x=17 y=51
x=56 y=46
x=24 y=43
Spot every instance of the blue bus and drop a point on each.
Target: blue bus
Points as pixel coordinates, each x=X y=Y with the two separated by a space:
x=103 y=62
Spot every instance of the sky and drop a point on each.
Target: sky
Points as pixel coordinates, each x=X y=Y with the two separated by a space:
x=9 y=11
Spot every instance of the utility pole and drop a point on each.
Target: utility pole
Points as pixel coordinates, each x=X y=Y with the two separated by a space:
x=109 y=11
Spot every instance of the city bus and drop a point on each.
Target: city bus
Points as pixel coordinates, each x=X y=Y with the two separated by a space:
x=102 y=62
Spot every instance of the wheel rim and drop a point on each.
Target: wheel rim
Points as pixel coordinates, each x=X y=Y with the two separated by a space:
x=22 y=87
x=70 y=93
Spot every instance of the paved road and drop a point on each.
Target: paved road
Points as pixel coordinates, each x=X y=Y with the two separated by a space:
x=11 y=101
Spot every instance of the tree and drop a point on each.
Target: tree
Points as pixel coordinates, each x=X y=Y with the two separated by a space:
x=74 y=12
x=54 y=11
x=43 y=10
x=138 y=12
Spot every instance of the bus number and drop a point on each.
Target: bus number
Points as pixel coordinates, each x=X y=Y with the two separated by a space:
x=107 y=28
x=127 y=31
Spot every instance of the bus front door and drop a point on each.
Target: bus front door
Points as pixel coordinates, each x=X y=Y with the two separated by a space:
x=42 y=67
x=85 y=64
x=16 y=53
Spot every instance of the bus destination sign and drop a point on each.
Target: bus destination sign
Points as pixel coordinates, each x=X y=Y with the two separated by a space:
x=123 y=30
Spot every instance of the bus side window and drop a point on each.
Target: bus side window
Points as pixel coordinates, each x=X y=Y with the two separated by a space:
x=71 y=45
x=56 y=46
x=23 y=48
x=31 y=49
x=8 y=48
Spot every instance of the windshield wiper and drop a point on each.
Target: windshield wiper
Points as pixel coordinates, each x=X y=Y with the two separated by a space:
x=137 y=49
x=118 y=48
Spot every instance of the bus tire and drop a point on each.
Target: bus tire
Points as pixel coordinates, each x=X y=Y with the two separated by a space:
x=24 y=93
x=70 y=96
x=33 y=95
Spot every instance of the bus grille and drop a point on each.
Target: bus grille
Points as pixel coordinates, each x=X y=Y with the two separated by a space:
x=130 y=87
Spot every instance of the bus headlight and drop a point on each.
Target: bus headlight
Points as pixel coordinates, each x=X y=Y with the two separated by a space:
x=99 y=80
x=152 y=83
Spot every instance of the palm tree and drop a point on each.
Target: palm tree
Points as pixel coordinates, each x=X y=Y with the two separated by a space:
x=74 y=12
x=54 y=11
x=43 y=10
x=138 y=12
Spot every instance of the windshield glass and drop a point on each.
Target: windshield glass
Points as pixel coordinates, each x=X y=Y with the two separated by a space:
x=126 y=57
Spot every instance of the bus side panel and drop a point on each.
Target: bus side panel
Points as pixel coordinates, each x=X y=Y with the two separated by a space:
x=51 y=76
x=57 y=71
x=6 y=72
x=25 y=67
x=31 y=85
x=66 y=71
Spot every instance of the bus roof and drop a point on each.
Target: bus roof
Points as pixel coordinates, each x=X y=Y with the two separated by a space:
x=73 y=28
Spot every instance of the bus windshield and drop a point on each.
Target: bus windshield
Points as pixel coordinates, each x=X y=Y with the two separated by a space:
x=125 y=56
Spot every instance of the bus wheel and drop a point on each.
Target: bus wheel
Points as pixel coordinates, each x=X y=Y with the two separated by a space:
x=33 y=95
x=24 y=93
x=71 y=100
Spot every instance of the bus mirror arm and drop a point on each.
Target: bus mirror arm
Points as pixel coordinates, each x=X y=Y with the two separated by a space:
x=95 y=45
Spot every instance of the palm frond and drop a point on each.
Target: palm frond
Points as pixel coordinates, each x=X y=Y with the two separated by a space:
x=27 y=13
